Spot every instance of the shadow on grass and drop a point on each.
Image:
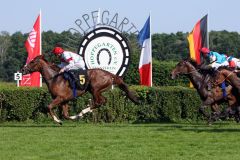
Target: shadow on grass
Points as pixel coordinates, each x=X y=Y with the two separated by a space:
x=36 y=125
x=161 y=127
x=216 y=128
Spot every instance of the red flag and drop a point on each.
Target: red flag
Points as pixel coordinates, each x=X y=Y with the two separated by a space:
x=33 y=48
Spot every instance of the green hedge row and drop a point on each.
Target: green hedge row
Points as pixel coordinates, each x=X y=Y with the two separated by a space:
x=161 y=75
x=169 y=104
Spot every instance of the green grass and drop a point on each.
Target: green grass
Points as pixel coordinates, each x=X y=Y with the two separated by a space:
x=29 y=141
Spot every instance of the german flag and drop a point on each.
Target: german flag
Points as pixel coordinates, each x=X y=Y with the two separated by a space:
x=198 y=38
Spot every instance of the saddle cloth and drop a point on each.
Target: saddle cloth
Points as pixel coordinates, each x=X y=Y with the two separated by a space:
x=78 y=79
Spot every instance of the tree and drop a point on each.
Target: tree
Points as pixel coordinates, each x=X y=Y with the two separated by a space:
x=5 y=42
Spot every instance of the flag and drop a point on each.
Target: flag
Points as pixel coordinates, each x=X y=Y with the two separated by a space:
x=198 y=38
x=145 y=63
x=33 y=47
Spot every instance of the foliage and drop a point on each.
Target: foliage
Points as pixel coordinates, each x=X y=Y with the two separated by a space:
x=167 y=50
x=171 y=104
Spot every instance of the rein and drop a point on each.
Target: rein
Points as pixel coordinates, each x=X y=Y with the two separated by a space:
x=49 y=66
x=189 y=72
x=225 y=77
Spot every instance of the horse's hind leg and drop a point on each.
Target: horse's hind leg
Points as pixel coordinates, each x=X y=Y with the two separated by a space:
x=65 y=108
x=84 y=111
x=237 y=114
x=98 y=100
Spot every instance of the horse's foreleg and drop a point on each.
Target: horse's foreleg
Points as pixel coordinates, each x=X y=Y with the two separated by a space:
x=202 y=111
x=54 y=103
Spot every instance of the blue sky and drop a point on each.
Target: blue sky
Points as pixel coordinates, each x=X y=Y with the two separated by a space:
x=168 y=16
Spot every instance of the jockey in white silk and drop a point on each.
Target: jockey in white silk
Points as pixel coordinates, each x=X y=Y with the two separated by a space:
x=69 y=60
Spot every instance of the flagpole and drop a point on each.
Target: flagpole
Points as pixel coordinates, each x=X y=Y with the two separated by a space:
x=208 y=29
x=150 y=49
x=40 y=42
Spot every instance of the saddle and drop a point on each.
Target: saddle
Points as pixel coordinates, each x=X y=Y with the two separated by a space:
x=78 y=79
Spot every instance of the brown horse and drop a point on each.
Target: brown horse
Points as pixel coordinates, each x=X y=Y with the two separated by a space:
x=209 y=98
x=61 y=92
x=225 y=74
x=229 y=75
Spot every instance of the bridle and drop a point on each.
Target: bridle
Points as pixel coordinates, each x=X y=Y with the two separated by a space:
x=194 y=71
x=30 y=70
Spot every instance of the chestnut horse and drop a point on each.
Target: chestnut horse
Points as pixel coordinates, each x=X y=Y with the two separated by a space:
x=227 y=74
x=98 y=81
x=230 y=76
x=209 y=98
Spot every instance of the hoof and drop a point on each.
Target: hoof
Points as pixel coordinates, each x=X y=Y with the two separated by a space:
x=209 y=123
x=60 y=123
x=76 y=117
x=73 y=117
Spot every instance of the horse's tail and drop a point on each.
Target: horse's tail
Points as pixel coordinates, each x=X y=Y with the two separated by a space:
x=124 y=87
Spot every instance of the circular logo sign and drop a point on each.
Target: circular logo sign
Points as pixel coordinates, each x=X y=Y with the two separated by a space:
x=107 y=49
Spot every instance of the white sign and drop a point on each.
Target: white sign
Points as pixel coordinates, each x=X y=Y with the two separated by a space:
x=17 y=76
x=107 y=49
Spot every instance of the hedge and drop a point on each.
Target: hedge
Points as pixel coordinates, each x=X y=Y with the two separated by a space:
x=161 y=75
x=158 y=104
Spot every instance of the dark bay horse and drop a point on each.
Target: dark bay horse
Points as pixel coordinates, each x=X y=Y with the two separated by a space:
x=61 y=92
x=209 y=98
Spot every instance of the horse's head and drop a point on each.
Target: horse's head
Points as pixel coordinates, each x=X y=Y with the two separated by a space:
x=32 y=66
x=183 y=67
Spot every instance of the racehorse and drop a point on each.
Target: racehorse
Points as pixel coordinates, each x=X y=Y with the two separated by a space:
x=227 y=74
x=209 y=98
x=230 y=76
x=98 y=81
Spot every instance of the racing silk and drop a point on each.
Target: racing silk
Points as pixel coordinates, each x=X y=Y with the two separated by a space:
x=217 y=60
x=216 y=57
x=70 y=60
x=233 y=62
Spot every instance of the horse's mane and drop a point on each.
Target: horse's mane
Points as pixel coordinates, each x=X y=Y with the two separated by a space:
x=54 y=66
x=50 y=64
x=192 y=62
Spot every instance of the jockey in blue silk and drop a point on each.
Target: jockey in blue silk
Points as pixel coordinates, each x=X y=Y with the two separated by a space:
x=216 y=59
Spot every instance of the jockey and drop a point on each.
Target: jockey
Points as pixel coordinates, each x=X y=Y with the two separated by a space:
x=69 y=60
x=233 y=62
x=216 y=59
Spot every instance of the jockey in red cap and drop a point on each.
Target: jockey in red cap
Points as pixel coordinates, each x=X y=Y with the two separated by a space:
x=69 y=60
x=216 y=59
x=57 y=50
x=205 y=50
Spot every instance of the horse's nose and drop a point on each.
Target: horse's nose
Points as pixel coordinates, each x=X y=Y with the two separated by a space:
x=23 y=71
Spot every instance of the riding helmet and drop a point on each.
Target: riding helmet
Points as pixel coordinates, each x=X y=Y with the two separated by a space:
x=57 y=50
x=205 y=50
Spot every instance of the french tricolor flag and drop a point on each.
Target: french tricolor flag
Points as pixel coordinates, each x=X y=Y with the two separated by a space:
x=145 y=64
